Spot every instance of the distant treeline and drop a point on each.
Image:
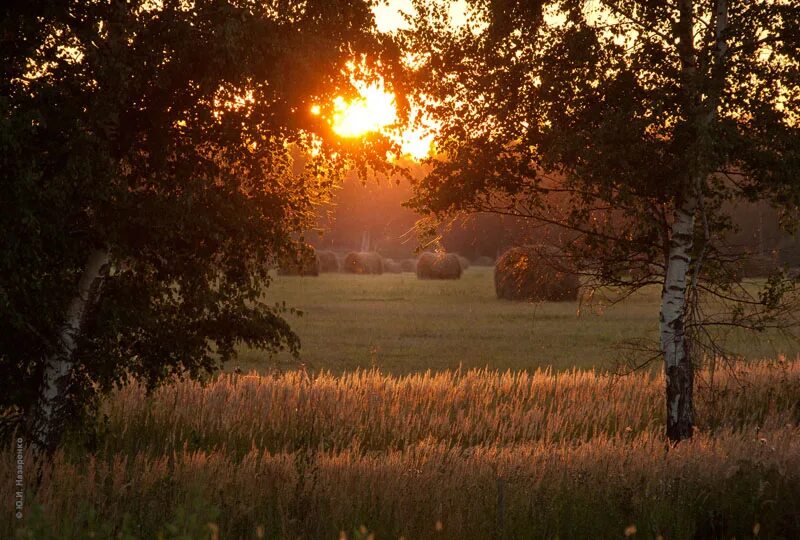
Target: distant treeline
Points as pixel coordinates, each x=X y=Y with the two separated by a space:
x=367 y=216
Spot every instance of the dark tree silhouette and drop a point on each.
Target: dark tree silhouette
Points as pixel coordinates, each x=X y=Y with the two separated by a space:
x=149 y=183
x=631 y=125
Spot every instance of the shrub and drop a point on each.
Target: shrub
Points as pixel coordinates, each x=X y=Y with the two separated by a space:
x=438 y=266
x=363 y=262
x=533 y=274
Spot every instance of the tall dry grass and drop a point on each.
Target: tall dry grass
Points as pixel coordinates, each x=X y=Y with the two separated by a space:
x=478 y=454
x=293 y=410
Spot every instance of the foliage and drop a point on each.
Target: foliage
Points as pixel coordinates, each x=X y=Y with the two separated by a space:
x=176 y=135
x=595 y=121
x=306 y=262
x=532 y=273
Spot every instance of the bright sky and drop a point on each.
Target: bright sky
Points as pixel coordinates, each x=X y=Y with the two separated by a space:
x=376 y=110
x=388 y=15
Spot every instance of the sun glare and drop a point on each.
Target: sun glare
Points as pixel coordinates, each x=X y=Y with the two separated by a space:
x=375 y=111
x=372 y=111
x=416 y=143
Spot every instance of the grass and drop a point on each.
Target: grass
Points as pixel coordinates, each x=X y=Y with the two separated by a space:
x=477 y=454
x=403 y=325
x=421 y=445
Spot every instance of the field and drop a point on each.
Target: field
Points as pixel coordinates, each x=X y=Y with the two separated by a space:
x=479 y=454
x=414 y=447
x=403 y=325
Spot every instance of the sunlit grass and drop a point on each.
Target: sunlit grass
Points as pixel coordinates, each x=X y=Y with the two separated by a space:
x=482 y=453
x=420 y=444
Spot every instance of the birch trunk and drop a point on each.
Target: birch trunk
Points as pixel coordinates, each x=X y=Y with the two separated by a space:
x=678 y=366
x=48 y=414
x=677 y=358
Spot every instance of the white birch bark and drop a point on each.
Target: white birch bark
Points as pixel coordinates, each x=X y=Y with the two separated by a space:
x=678 y=365
x=47 y=415
x=677 y=362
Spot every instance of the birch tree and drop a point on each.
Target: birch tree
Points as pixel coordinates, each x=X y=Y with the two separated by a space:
x=634 y=128
x=148 y=153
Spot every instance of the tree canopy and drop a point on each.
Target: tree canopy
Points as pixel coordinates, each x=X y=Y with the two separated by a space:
x=632 y=128
x=175 y=136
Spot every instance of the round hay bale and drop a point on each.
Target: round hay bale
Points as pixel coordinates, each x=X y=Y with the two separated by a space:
x=409 y=265
x=463 y=261
x=521 y=273
x=305 y=264
x=328 y=261
x=363 y=262
x=438 y=266
x=483 y=260
x=390 y=266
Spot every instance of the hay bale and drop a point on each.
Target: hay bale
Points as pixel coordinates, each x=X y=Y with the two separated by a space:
x=305 y=263
x=409 y=265
x=522 y=273
x=363 y=262
x=328 y=261
x=463 y=261
x=483 y=260
x=438 y=266
x=390 y=266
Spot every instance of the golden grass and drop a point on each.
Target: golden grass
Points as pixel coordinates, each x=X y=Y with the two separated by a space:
x=477 y=407
x=483 y=453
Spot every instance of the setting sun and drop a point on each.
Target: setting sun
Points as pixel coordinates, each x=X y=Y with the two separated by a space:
x=373 y=111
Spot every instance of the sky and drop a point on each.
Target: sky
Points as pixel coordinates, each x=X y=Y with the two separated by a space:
x=389 y=14
x=375 y=110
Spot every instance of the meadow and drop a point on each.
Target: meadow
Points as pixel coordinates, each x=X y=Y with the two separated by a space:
x=429 y=409
x=477 y=454
x=404 y=325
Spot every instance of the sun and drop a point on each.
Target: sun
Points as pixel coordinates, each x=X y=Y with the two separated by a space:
x=374 y=110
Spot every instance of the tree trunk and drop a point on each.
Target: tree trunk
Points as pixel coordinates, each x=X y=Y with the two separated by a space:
x=678 y=367
x=47 y=419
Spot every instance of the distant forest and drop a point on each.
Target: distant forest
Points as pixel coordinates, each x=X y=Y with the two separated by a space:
x=370 y=216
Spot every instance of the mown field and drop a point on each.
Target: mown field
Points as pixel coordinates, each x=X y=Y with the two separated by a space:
x=403 y=325
x=478 y=454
